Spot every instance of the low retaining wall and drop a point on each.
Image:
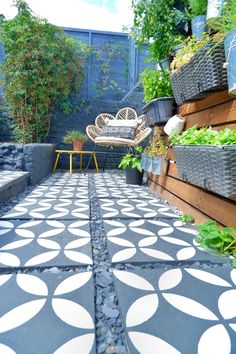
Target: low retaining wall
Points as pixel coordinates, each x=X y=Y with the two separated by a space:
x=37 y=159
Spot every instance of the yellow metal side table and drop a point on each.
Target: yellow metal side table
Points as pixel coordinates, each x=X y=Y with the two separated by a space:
x=71 y=153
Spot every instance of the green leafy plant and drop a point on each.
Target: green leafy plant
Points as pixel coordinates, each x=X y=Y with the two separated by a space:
x=74 y=135
x=220 y=239
x=189 y=47
x=208 y=136
x=156 y=148
x=155 y=23
x=197 y=7
x=41 y=71
x=156 y=83
x=132 y=160
x=187 y=218
x=227 y=21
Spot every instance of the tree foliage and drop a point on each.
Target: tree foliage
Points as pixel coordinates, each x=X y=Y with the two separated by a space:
x=155 y=23
x=42 y=68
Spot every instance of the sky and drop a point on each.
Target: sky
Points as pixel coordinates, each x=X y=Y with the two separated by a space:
x=105 y=15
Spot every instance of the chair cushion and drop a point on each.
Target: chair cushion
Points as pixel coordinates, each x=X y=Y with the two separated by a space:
x=123 y=123
x=103 y=140
x=118 y=132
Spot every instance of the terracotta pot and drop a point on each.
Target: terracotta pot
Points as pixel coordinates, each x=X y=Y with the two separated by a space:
x=78 y=145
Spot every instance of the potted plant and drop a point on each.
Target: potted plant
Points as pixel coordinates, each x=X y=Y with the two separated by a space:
x=214 y=9
x=153 y=157
x=131 y=163
x=197 y=69
x=226 y=25
x=77 y=138
x=157 y=92
x=207 y=158
x=197 y=15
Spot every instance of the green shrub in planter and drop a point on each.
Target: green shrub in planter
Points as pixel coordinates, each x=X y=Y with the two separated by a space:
x=207 y=158
x=131 y=163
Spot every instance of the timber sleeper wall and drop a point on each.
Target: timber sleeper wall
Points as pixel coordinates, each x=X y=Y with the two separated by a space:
x=218 y=111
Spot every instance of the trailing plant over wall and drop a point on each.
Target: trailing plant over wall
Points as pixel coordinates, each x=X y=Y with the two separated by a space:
x=42 y=68
x=156 y=23
x=105 y=55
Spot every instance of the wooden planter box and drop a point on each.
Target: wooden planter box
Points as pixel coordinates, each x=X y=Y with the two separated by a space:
x=210 y=167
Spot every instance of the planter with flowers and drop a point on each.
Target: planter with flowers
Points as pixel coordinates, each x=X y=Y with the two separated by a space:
x=153 y=157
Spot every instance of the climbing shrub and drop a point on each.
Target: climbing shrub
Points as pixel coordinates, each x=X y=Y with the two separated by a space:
x=42 y=69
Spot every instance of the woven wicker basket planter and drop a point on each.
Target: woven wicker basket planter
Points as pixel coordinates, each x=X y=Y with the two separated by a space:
x=203 y=74
x=210 y=167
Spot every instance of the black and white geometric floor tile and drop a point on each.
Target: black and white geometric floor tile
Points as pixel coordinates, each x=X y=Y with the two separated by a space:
x=44 y=243
x=8 y=176
x=178 y=311
x=59 y=192
x=61 y=179
x=47 y=313
x=134 y=208
x=115 y=192
x=50 y=209
x=145 y=241
x=108 y=180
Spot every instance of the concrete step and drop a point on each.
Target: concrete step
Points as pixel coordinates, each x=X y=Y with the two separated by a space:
x=12 y=183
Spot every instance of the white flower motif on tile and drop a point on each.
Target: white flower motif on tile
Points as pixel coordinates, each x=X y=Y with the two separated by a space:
x=72 y=313
x=4 y=278
x=186 y=253
x=145 y=343
x=15 y=244
x=133 y=280
x=4 y=349
x=72 y=283
x=9 y=259
x=170 y=279
x=189 y=306
x=42 y=258
x=136 y=314
x=124 y=255
x=32 y=284
x=207 y=277
x=215 y=340
x=5 y=226
x=156 y=254
x=83 y=344
x=20 y=314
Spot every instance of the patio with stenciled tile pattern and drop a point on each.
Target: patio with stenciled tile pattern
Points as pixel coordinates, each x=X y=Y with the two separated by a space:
x=178 y=310
x=36 y=208
x=61 y=192
x=144 y=241
x=45 y=243
x=47 y=313
x=135 y=208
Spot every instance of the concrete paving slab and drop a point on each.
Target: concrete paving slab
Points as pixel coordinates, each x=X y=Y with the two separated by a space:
x=68 y=209
x=120 y=193
x=47 y=313
x=44 y=243
x=135 y=208
x=59 y=192
x=145 y=241
x=178 y=310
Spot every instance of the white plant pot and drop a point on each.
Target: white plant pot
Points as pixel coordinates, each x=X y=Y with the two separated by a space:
x=174 y=125
x=214 y=8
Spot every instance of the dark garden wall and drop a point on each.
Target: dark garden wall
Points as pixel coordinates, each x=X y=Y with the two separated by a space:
x=111 y=82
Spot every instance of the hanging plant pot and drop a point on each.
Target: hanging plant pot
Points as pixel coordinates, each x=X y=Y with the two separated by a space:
x=214 y=8
x=165 y=64
x=230 y=54
x=134 y=176
x=78 y=145
x=209 y=167
x=174 y=125
x=159 y=110
x=153 y=164
x=176 y=48
x=198 y=25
